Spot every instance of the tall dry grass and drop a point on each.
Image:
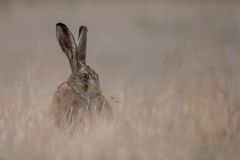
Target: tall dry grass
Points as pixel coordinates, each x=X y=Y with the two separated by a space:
x=172 y=67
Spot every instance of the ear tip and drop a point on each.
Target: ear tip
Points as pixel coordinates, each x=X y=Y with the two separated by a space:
x=83 y=28
x=62 y=25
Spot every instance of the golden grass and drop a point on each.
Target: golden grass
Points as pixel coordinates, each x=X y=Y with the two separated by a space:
x=173 y=68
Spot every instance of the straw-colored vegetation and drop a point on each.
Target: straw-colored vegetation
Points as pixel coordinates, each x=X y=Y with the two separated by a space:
x=172 y=68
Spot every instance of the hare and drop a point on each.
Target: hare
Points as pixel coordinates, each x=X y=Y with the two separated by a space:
x=80 y=97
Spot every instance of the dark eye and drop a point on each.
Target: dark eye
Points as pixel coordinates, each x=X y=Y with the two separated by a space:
x=85 y=76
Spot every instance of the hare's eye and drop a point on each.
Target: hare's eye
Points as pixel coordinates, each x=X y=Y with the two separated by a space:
x=85 y=76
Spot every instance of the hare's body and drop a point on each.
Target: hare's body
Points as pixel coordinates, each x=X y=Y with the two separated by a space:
x=70 y=107
x=80 y=97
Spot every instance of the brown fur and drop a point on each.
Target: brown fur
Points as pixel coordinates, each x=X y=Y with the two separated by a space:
x=80 y=98
x=69 y=107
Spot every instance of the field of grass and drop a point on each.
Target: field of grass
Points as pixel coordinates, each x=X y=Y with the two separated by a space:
x=172 y=68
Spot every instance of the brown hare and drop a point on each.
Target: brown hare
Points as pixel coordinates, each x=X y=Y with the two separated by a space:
x=80 y=97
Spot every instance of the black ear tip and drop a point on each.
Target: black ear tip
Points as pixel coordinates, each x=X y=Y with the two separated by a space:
x=82 y=29
x=62 y=26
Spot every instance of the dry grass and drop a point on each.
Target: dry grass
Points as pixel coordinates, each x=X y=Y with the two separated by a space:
x=173 y=67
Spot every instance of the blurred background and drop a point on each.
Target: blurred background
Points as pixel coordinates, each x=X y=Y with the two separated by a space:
x=171 y=66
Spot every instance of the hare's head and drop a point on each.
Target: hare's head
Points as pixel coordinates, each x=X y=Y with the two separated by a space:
x=84 y=80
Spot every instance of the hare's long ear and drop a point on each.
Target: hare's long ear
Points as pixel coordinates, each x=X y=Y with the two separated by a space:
x=68 y=45
x=82 y=44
